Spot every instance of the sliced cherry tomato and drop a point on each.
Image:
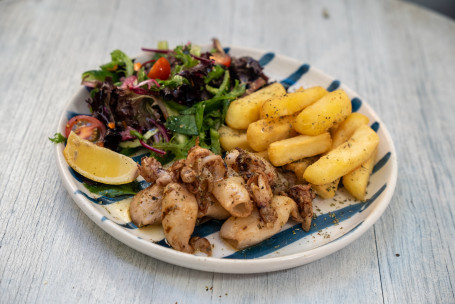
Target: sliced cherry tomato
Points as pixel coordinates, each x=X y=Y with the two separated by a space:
x=86 y=127
x=221 y=58
x=160 y=70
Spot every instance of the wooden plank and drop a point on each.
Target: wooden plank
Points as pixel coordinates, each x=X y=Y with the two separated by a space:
x=397 y=56
x=419 y=223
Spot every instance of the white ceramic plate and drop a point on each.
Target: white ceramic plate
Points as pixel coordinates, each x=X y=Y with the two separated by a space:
x=340 y=220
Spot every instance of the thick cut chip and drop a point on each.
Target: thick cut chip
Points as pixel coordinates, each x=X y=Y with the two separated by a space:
x=323 y=114
x=245 y=110
x=356 y=181
x=262 y=133
x=291 y=103
x=292 y=149
x=345 y=130
x=232 y=138
x=343 y=159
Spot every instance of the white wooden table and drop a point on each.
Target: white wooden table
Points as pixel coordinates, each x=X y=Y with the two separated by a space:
x=401 y=58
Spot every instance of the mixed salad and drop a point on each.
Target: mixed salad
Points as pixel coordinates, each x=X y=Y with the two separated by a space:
x=166 y=103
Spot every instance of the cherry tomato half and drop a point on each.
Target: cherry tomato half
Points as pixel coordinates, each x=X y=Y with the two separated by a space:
x=160 y=70
x=86 y=127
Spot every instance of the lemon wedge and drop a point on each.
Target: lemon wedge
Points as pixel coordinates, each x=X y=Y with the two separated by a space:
x=97 y=163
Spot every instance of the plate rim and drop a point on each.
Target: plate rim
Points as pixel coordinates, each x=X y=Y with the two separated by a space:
x=237 y=266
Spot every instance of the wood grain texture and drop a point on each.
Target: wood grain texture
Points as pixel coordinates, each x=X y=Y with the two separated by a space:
x=398 y=57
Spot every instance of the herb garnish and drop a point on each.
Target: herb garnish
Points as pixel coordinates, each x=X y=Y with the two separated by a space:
x=58 y=138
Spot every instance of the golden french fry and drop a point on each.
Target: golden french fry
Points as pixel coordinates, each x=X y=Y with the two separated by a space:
x=326 y=190
x=299 y=167
x=291 y=103
x=344 y=158
x=342 y=133
x=262 y=133
x=245 y=110
x=323 y=114
x=356 y=181
x=289 y=150
x=347 y=128
x=232 y=138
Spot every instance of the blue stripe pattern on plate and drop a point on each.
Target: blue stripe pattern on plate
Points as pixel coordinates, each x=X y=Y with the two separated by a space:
x=381 y=163
x=333 y=86
x=138 y=158
x=266 y=58
x=103 y=200
x=372 y=199
x=129 y=225
x=294 y=77
x=76 y=175
x=202 y=230
x=356 y=104
x=375 y=126
x=144 y=184
x=71 y=114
